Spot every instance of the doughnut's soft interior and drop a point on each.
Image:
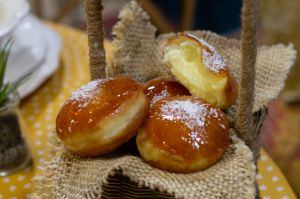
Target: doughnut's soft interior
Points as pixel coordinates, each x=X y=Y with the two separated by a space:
x=183 y=134
x=199 y=67
x=101 y=116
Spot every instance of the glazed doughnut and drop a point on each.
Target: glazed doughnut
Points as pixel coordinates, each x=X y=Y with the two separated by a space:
x=183 y=134
x=201 y=69
x=101 y=116
x=157 y=89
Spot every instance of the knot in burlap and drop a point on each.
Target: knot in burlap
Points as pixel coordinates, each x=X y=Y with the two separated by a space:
x=137 y=54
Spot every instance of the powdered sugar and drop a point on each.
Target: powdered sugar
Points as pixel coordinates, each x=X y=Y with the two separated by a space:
x=211 y=58
x=192 y=114
x=85 y=91
x=213 y=61
x=161 y=95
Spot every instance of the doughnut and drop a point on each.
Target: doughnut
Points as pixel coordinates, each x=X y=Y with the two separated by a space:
x=200 y=68
x=102 y=115
x=183 y=134
x=160 y=88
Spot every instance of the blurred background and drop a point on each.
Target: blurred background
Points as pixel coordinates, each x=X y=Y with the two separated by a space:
x=280 y=23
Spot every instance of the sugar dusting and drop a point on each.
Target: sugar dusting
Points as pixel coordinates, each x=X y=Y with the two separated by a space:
x=84 y=92
x=211 y=58
x=193 y=114
x=161 y=95
x=81 y=98
x=213 y=61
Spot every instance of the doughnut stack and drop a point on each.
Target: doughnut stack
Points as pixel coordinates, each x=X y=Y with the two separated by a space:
x=179 y=124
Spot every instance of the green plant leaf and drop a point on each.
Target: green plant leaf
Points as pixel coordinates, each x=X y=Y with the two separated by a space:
x=3 y=93
x=15 y=85
x=4 y=53
x=7 y=89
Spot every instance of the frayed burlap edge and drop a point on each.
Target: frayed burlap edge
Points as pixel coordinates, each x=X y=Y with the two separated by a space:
x=66 y=177
x=132 y=63
x=138 y=54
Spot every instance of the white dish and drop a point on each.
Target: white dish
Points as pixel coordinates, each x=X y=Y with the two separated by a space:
x=50 y=63
x=28 y=50
x=11 y=13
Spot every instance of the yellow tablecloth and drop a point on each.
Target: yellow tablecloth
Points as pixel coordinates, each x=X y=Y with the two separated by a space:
x=39 y=111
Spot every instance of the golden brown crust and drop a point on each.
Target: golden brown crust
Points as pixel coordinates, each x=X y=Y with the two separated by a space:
x=183 y=134
x=231 y=91
x=101 y=116
x=160 y=88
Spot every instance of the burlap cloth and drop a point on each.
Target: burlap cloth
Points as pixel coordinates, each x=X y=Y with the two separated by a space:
x=137 y=54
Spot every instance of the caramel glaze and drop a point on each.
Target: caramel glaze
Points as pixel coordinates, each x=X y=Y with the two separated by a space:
x=92 y=103
x=231 y=90
x=157 y=89
x=203 y=133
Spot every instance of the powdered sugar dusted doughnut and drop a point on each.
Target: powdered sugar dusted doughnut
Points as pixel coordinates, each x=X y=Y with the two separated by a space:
x=160 y=88
x=101 y=115
x=200 y=68
x=183 y=134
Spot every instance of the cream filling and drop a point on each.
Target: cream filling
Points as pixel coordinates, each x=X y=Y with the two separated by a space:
x=186 y=64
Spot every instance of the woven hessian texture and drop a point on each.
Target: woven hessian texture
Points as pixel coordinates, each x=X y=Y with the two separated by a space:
x=70 y=176
x=137 y=55
x=135 y=46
